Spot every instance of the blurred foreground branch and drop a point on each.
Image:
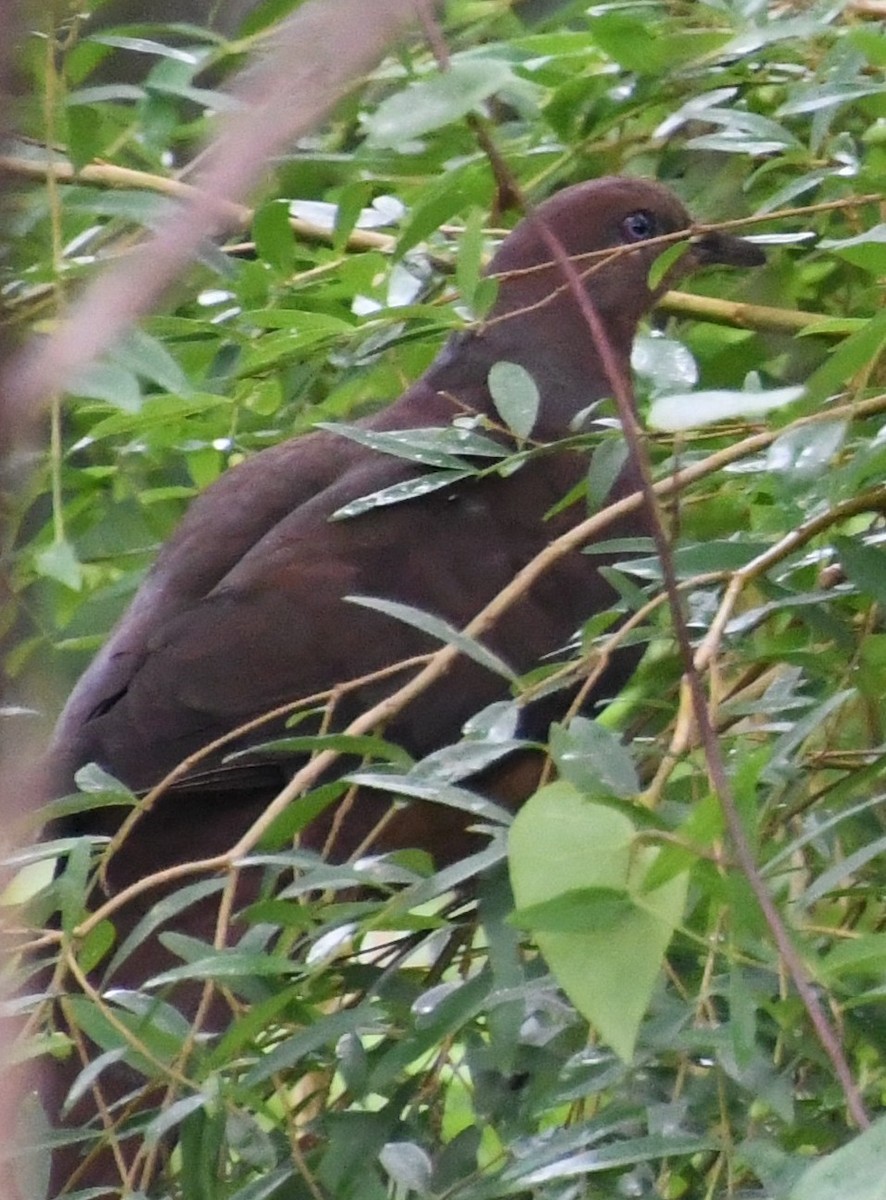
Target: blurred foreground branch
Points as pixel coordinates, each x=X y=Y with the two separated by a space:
x=315 y=57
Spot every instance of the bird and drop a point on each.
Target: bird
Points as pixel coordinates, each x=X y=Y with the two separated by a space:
x=248 y=608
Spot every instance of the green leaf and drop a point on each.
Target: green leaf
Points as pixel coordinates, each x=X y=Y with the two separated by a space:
x=421 y=784
x=59 y=561
x=515 y=396
x=607 y=461
x=438 y=629
x=156 y=412
x=438 y=100
x=866 y=249
x=864 y=955
x=143 y=45
x=853 y=354
x=855 y=1170
x=579 y=910
x=172 y=1116
x=469 y=263
x=148 y=357
x=95 y=946
x=843 y=870
x=865 y=565
x=85 y=135
x=365 y=745
x=431 y=447
x=104 y=92
x=351 y=199
x=398 y=493
x=223 y=964
x=668 y=258
x=454 y=192
x=692 y=410
x=826 y=95
x=108 y=381
x=143 y=208
x=161 y=913
x=593 y=759
x=561 y=842
x=804 y=452
x=622 y=1152
x=408 y=1167
x=273 y=236
x=643 y=46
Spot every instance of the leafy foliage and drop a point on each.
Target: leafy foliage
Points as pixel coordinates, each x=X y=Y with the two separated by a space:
x=413 y=1040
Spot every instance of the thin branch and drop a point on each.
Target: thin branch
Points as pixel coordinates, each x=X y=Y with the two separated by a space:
x=762 y=318
x=873 y=500
x=237 y=216
x=757 y=317
x=437 y=664
x=827 y=1035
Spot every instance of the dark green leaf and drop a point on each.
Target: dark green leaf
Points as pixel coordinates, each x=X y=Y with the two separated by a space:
x=593 y=759
x=865 y=565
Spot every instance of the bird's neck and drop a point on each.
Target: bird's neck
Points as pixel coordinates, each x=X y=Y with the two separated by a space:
x=563 y=362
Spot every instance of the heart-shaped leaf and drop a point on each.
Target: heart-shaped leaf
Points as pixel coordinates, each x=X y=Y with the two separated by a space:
x=560 y=843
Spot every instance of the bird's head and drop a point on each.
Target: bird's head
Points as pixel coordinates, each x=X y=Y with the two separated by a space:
x=613 y=230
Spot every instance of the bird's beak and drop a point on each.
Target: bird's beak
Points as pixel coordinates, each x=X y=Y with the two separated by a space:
x=714 y=247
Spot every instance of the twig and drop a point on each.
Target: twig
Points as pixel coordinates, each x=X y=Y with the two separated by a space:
x=873 y=500
x=827 y=1035
x=761 y=318
x=437 y=664
x=758 y=317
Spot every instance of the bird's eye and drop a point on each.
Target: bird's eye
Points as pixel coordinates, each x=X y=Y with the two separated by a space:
x=638 y=226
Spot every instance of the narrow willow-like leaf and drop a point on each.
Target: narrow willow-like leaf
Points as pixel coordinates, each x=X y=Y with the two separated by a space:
x=437 y=628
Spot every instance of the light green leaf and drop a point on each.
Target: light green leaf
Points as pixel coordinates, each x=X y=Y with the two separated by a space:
x=104 y=92
x=272 y=233
x=852 y=355
x=469 y=264
x=803 y=452
x=149 y=358
x=668 y=258
x=156 y=413
x=560 y=842
x=516 y=397
x=452 y=193
x=142 y=45
x=866 y=250
x=828 y=95
x=692 y=410
x=144 y=208
x=224 y=964
x=622 y=1152
x=59 y=561
x=408 y=1166
x=107 y=381
x=432 y=447
x=580 y=910
x=172 y=1116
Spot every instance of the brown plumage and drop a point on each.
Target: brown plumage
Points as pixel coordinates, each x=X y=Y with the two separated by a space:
x=244 y=608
